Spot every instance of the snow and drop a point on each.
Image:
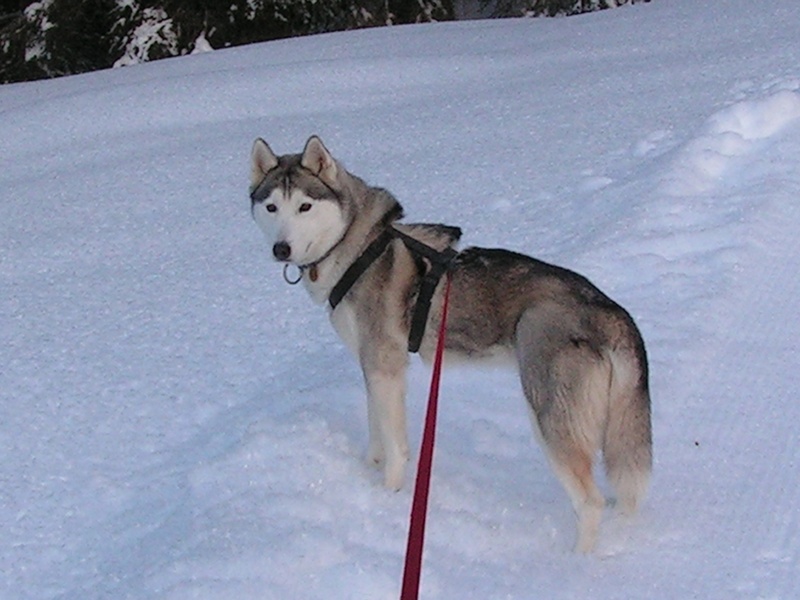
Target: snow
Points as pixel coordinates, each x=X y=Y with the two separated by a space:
x=201 y=44
x=154 y=29
x=176 y=422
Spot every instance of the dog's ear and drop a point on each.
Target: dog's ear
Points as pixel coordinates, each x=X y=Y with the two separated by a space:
x=263 y=161
x=319 y=161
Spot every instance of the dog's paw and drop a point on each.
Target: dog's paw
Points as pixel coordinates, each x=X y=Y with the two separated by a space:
x=375 y=455
x=394 y=475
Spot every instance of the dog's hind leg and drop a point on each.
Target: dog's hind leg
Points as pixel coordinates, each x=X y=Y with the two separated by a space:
x=627 y=446
x=574 y=471
x=572 y=462
x=566 y=385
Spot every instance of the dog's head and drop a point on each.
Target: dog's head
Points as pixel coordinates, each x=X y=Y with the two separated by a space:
x=297 y=201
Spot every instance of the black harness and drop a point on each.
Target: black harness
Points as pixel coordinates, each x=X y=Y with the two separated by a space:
x=440 y=263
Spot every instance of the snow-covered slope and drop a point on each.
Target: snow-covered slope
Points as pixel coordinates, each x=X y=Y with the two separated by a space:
x=177 y=422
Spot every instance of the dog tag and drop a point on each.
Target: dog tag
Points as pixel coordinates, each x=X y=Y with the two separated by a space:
x=312 y=273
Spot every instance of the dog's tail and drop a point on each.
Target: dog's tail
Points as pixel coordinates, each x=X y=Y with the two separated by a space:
x=627 y=441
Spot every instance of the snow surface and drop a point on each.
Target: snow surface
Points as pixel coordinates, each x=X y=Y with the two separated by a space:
x=176 y=422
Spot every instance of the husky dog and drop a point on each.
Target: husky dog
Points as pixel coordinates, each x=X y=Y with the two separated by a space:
x=581 y=358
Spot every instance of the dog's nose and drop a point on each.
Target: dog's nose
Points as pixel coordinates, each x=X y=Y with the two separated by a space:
x=282 y=250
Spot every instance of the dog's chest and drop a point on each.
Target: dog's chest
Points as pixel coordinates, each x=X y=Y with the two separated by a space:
x=346 y=325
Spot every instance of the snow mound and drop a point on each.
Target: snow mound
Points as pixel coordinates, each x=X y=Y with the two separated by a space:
x=731 y=133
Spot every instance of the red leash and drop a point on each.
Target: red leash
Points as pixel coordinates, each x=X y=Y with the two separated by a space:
x=419 y=507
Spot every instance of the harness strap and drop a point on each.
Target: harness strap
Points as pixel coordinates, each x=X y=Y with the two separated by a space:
x=361 y=264
x=440 y=263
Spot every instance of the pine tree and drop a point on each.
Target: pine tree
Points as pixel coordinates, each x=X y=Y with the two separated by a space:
x=48 y=38
x=549 y=8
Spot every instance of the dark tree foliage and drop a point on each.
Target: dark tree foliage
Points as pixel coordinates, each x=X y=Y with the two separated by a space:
x=13 y=31
x=82 y=39
x=10 y=9
x=549 y=8
x=232 y=25
x=48 y=38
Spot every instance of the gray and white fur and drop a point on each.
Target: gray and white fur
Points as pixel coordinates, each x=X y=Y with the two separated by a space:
x=581 y=358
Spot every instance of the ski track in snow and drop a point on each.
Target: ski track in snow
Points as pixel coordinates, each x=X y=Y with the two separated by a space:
x=730 y=234
x=177 y=423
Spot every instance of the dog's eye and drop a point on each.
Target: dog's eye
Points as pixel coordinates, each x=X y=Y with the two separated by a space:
x=305 y=207
x=271 y=208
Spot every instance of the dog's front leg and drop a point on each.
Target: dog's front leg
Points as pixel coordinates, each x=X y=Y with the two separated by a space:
x=375 y=452
x=386 y=392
